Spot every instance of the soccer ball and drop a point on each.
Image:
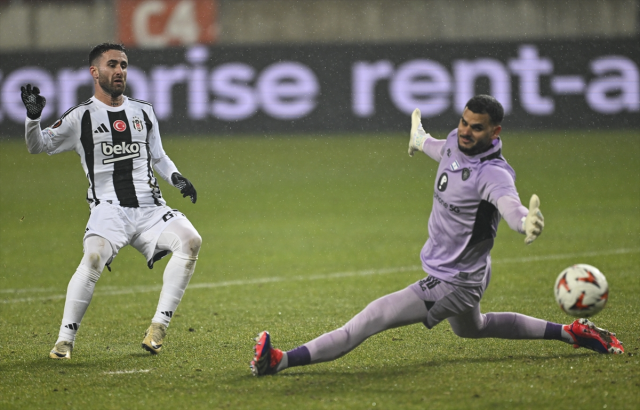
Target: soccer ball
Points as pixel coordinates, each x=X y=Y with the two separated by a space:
x=581 y=290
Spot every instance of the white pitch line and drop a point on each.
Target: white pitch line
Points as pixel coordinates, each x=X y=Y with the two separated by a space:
x=113 y=290
x=566 y=256
x=127 y=372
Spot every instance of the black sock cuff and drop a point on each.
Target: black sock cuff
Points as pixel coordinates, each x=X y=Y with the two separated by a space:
x=553 y=331
x=299 y=356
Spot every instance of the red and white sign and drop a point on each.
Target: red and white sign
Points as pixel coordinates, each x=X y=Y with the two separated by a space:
x=163 y=23
x=119 y=125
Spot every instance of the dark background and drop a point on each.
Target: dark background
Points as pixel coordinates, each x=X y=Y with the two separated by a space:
x=332 y=64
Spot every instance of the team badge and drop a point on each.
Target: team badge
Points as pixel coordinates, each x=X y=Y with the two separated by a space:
x=57 y=124
x=454 y=166
x=466 y=172
x=119 y=125
x=448 y=152
x=443 y=181
x=137 y=124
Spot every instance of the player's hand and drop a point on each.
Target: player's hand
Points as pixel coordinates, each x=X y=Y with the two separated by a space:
x=33 y=101
x=417 y=137
x=185 y=186
x=534 y=221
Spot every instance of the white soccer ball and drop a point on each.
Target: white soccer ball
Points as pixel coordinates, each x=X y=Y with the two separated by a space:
x=581 y=290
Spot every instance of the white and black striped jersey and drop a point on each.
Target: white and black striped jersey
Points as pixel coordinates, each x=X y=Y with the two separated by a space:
x=119 y=147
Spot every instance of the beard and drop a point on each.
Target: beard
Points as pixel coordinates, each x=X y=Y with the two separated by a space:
x=479 y=147
x=114 y=91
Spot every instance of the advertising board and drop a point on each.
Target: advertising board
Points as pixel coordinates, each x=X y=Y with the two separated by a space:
x=162 y=23
x=345 y=88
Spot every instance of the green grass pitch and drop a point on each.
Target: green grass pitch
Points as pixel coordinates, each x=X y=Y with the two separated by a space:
x=300 y=233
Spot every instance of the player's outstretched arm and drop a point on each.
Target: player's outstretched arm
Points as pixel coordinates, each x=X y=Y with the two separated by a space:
x=419 y=140
x=418 y=136
x=529 y=222
x=533 y=223
x=185 y=186
x=33 y=101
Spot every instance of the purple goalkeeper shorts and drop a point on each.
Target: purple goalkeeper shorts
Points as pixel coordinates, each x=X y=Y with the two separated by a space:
x=444 y=300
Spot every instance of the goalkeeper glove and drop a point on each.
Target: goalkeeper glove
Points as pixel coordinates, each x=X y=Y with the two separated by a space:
x=33 y=101
x=417 y=136
x=533 y=223
x=185 y=186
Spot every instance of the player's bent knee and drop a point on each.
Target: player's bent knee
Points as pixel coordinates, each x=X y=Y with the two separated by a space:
x=97 y=252
x=194 y=243
x=181 y=237
x=95 y=261
x=190 y=243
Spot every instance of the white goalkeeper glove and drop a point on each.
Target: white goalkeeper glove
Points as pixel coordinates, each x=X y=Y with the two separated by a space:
x=418 y=136
x=533 y=223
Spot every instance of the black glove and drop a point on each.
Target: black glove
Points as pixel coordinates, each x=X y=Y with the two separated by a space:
x=186 y=188
x=33 y=101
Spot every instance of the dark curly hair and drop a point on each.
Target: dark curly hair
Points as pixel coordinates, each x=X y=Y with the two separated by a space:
x=486 y=104
x=102 y=48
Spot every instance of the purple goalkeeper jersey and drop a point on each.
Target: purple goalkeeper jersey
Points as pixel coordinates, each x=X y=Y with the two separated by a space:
x=464 y=219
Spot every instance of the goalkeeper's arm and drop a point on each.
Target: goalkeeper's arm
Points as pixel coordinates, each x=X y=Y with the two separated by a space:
x=419 y=140
x=529 y=222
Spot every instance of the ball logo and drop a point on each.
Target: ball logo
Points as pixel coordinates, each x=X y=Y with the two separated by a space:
x=442 y=182
x=119 y=125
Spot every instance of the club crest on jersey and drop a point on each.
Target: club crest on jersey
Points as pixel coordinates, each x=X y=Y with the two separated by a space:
x=466 y=172
x=443 y=181
x=137 y=123
x=454 y=165
x=119 y=125
x=129 y=150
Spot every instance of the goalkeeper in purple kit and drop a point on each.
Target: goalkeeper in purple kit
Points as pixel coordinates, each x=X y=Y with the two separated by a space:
x=473 y=190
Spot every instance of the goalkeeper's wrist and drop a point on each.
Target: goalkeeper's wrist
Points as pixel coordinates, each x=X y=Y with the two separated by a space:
x=523 y=229
x=419 y=140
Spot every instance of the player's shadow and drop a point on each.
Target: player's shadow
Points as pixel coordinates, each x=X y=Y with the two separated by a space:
x=413 y=369
x=46 y=364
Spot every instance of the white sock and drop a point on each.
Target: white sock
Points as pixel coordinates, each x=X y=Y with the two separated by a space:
x=566 y=337
x=97 y=251
x=174 y=282
x=79 y=294
x=284 y=363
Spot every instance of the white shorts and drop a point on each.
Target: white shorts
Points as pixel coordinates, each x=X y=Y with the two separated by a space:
x=138 y=227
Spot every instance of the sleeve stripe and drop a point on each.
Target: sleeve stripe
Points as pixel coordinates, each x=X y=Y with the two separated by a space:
x=73 y=108
x=139 y=101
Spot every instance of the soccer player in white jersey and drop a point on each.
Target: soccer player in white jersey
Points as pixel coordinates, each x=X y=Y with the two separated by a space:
x=118 y=141
x=474 y=188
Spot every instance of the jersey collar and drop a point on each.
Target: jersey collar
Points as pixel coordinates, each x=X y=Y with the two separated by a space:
x=125 y=102
x=494 y=152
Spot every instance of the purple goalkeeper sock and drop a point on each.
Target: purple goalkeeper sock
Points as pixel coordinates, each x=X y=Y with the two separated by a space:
x=298 y=357
x=553 y=331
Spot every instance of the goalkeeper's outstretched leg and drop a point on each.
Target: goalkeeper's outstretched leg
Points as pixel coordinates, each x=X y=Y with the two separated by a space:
x=396 y=309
